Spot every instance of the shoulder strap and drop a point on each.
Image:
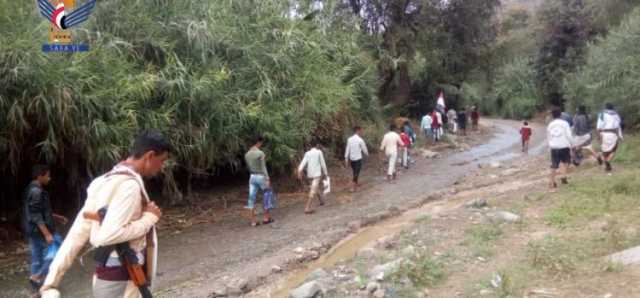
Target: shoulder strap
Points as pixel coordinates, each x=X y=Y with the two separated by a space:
x=117 y=185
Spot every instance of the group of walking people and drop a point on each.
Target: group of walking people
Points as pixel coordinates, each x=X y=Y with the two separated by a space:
x=435 y=123
x=569 y=136
x=118 y=213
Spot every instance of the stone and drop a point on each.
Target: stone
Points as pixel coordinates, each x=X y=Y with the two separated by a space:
x=541 y=293
x=630 y=256
x=607 y=295
x=386 y=242
x=372 y=287
x=354 y=226
x=276 y=269
x=328 y=287
x=379 y=276
x=380 y=293
x=409 y=251
x=316 y=246
x=429 y=154
x=394 y=210
x=366 y=253
x=299 y=250
x=237 y=287
x=310 y=255
x=495 y=165
x=318 y=274
x=219 y=290
x=379 y=272
x=307 y=290
x=505 y=216
x=477 y=203
x=509 y=172
x=485 y=292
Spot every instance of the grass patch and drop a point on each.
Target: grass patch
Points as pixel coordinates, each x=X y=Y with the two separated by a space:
x=591 y=197
x=555 y=256
x=480 y=239
x=422 y=270
x=423 y=219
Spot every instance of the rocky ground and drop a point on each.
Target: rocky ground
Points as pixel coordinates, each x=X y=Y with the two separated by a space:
x=495 y=233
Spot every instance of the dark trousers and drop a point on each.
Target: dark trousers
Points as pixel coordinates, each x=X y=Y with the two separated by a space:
x=356 y=166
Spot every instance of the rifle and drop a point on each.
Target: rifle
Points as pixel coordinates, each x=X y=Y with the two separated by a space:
x=127 y=257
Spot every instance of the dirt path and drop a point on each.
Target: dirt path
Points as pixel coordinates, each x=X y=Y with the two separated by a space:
x=498 y=232
x=195 y=262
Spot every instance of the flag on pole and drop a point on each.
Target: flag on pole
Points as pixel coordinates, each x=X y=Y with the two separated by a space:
x=440 y=105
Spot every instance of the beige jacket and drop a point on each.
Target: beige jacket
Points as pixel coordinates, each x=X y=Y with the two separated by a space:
x=124 y=222
x=390 y=143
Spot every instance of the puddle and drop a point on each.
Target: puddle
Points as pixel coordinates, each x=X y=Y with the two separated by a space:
x=347 y=248
x=503 y=146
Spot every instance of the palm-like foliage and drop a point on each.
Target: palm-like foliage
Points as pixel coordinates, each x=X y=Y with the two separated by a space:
x=210 y=74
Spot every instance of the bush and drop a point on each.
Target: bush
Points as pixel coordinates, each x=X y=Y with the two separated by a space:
x=611 y=72
x=515 y=94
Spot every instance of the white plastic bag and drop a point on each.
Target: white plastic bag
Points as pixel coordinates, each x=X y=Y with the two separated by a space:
x=326 y=183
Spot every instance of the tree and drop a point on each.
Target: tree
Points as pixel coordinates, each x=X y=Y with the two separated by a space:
x=567 y=29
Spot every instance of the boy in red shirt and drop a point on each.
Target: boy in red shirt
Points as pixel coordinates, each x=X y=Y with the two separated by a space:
x=525 y=132
x=406 y=140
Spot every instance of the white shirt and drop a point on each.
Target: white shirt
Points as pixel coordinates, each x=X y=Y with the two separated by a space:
x=452 y=115
x=390 y=143
x=314 y=162
x=609 y=120
x=355 y=148
x=559 y=134
x=426 y=122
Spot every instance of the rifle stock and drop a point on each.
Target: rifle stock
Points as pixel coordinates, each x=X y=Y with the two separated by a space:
x=127 y=257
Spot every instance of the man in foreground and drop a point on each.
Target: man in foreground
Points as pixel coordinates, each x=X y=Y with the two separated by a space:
x=129 y=219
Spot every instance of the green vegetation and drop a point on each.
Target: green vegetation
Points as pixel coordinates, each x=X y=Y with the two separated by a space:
x=595 y=216
x=481 y=239
x=211 y=75
x=610 y=73
x=561 y=53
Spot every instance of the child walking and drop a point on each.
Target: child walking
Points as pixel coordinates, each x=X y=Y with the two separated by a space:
x=525 y=133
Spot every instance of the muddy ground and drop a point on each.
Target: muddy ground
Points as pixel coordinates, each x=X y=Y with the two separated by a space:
x=461 y=243
x=201 y=257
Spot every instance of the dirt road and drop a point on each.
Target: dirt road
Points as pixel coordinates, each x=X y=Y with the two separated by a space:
x=195 y=262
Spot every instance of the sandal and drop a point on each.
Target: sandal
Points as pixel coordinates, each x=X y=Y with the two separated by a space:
x=255 y=224
x=309 y=211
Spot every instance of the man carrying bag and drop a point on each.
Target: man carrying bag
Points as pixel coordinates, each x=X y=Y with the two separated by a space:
x=129 y=217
